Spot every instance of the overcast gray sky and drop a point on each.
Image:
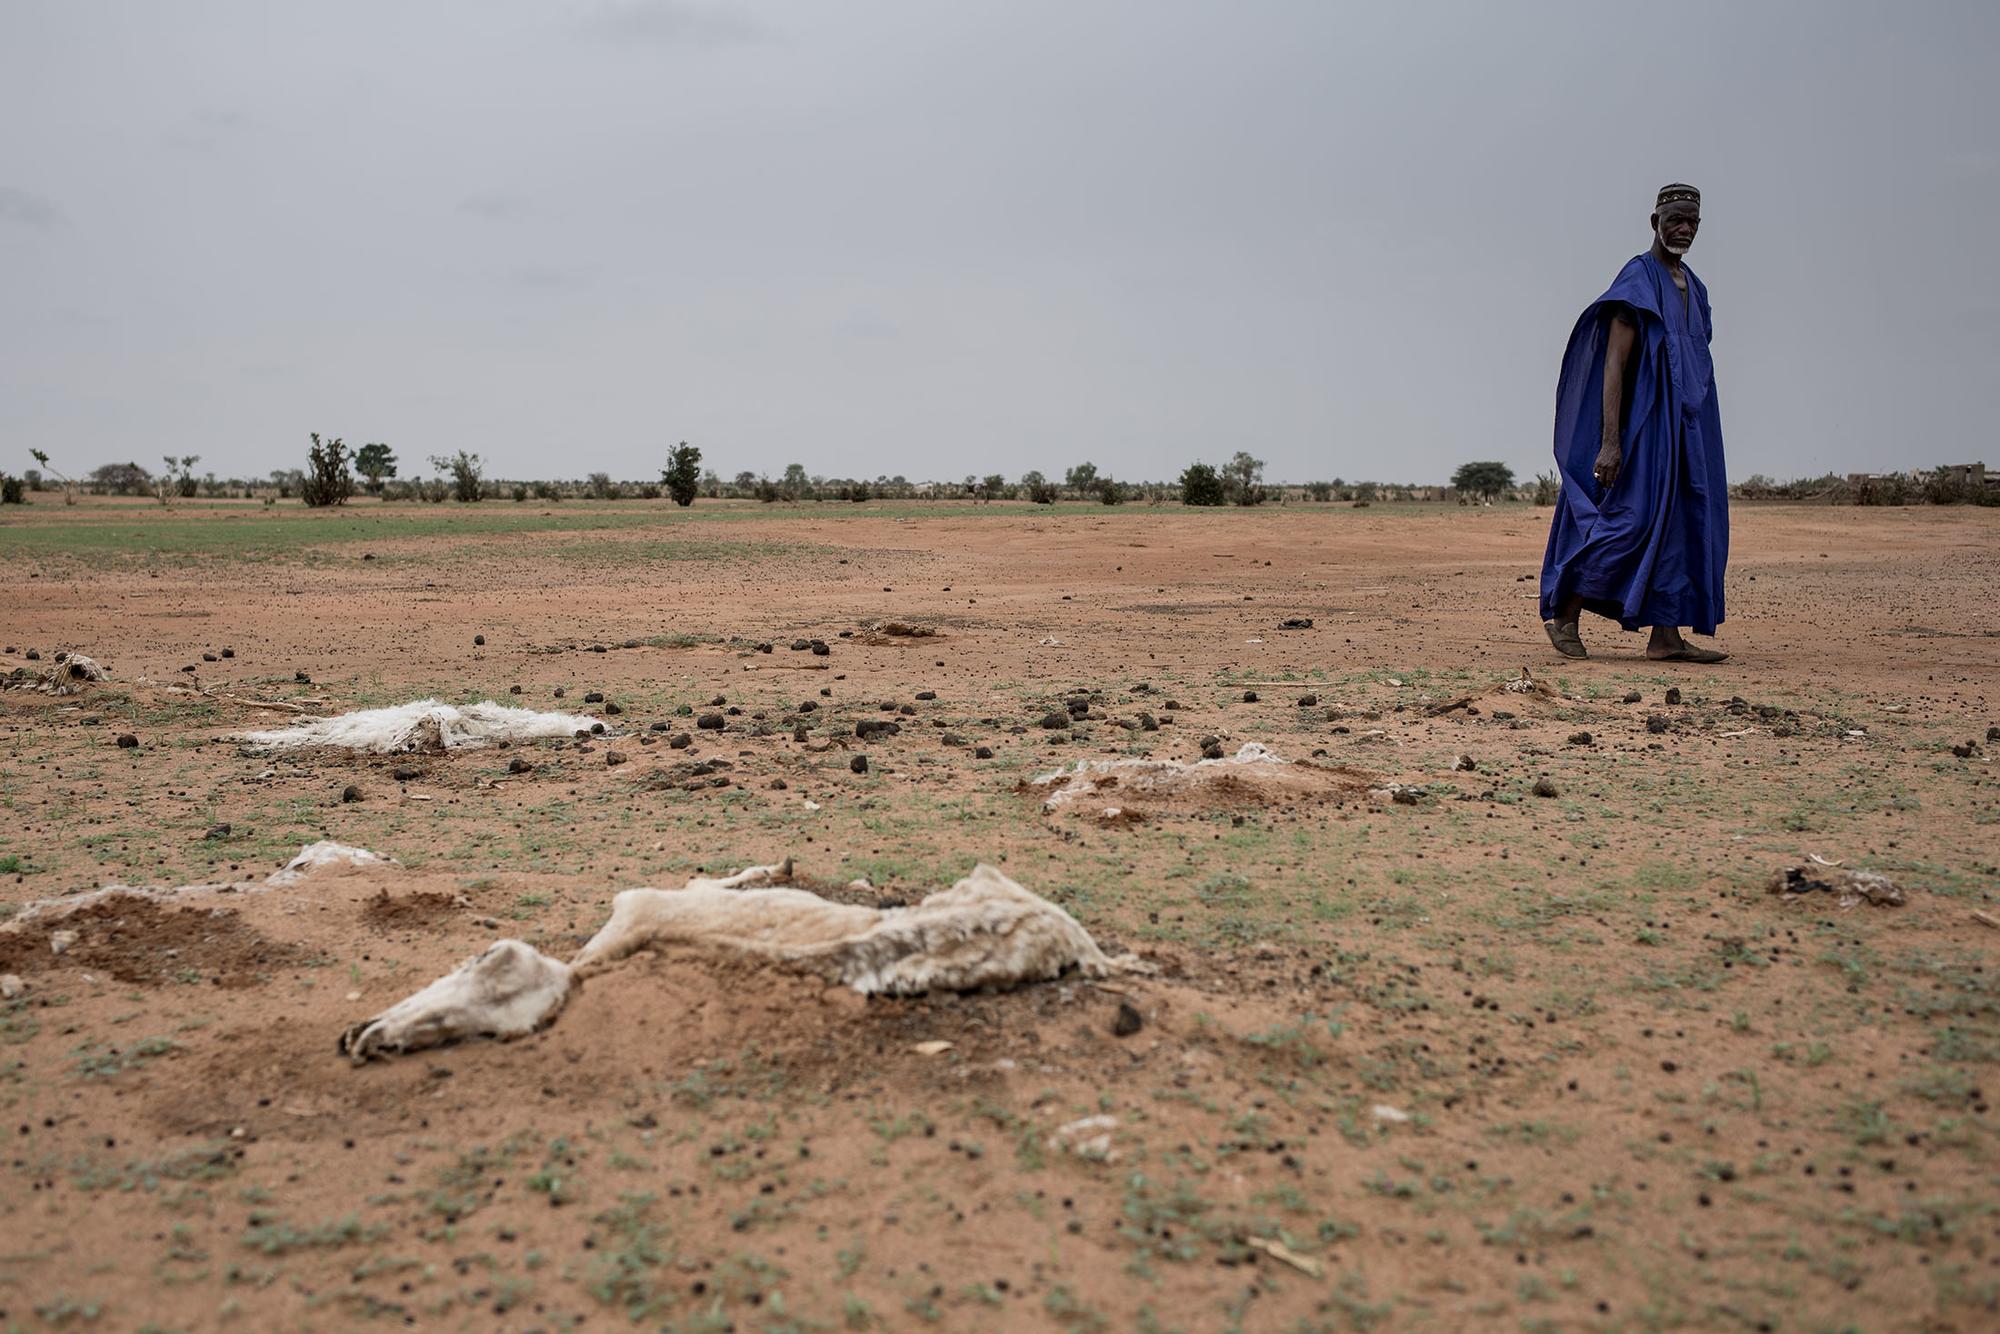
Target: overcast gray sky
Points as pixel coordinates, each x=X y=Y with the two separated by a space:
x=939 y=238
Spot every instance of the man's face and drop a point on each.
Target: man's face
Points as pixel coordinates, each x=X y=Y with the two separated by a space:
x=1676 y=225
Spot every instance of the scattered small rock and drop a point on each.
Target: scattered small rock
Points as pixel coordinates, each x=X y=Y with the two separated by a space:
x=1308 y=701
x=406 y=774
x=858 y=764
x=613 y=757
x=217 y=831
x=927 y=694
x=1657 y=723
x=1055 y=721
x=1128 y=1020
x=1673 y=694
x=680 y=740
x=479 y=639
x=1465 y=764
x=711 y=722
x=1580 y=738
x=518 y=765
x=1545 y=787
x=126 y=741
x=350 y=793
x=983 y=753
x=1633 y=697
x=1249 y=697
x=593 y=697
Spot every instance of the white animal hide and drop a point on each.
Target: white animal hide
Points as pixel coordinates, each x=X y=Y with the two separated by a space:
x=1154 y=777
x=509 y=991
x=983 y=931
x=311 y=857
x=412 y=726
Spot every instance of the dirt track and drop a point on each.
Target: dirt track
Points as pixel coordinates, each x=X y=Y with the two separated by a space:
x=1639 y=1091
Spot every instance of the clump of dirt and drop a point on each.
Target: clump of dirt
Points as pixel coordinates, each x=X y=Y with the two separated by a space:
x=139 y=941
x=894 y=632
x=386 y=913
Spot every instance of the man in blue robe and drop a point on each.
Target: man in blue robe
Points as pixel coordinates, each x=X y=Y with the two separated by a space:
x=1641 y=531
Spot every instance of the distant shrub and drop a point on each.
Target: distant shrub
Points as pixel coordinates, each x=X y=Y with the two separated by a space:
x=600 y=486
x=464 y=470
x=327 y=480
x=10 y=490
x=547 y=491
x=766 y=490
x=1546 y=488
x=682 y=476
x=520 y=493
x=1202 y=485
x=648 y=491
x=1319 y=490
x=1109 y=491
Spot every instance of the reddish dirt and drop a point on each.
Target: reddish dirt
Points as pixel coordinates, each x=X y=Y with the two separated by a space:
x=1620 y=1085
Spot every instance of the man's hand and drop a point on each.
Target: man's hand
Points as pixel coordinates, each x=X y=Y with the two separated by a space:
x=1610 y=461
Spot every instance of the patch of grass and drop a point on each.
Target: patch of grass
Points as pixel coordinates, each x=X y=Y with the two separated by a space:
x=268 y=1235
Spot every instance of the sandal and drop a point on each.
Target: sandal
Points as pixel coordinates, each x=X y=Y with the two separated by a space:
x=1563 y=634
x=1688 y=653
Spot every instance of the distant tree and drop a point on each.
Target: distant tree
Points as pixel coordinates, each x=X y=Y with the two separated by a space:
x=69 y=487
x=121 y=479
x=465 y=475
x=1546 y=488
x=993 y=487
x=375 y=462
x=327 y=480
x=547 y=491
x=766 y=491
x=10 y=489
x=1108 y=490
x=33 y=477
x=177 y=478
x=1202 y=485
x=1242 y=477
x=1320 y=490
x=600 y=486
x=1483 y=480
x=745 y=483
x=795 y=483
x=1081 y=479
x=1038 y=488
x=287 y=481
x=682 y=475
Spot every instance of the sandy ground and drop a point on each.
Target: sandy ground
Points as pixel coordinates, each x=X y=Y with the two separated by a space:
x=1486 y=1059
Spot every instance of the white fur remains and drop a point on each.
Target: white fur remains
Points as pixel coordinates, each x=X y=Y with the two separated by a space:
x=983 y=931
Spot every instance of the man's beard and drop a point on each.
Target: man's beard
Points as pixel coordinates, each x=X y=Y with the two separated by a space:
x=1675 y=248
